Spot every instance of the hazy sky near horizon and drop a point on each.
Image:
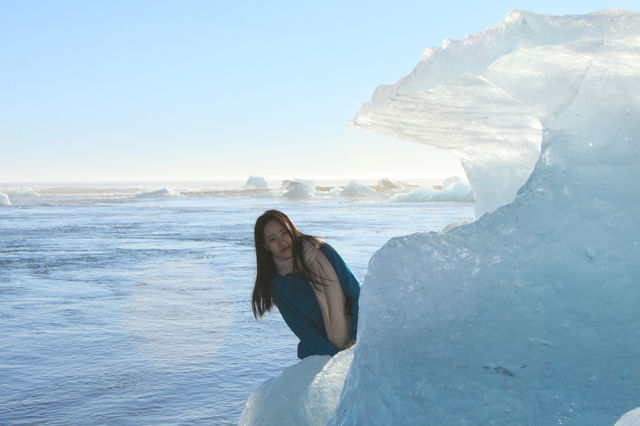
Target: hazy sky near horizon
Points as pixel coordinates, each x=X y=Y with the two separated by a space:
x=199 y=90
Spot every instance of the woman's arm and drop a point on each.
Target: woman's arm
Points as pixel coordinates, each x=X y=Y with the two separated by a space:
x=310 y=338
x=349 y=283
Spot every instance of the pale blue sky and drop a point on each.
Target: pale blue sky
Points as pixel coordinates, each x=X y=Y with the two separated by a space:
x=193 y=90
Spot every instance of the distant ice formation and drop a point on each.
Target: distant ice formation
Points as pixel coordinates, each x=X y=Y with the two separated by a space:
x=256 y=182
x=452 y=179
x=386 y=184
x=4 y=199
x=298 y=188
x=254 y=186
x=529 y=315
x=355 y=189
x=456 y=191
x=164 y=192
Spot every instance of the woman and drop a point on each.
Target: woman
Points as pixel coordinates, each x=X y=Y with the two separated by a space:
x=314 y=290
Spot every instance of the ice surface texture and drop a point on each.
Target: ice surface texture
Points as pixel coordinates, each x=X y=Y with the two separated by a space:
x=530 y=315
x=305 y=393
x=487 y=98
x=632 y=418
x=457 y=191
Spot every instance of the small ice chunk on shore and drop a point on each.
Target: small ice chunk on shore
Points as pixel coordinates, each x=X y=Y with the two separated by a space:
x=4 y=199
x=305 y=393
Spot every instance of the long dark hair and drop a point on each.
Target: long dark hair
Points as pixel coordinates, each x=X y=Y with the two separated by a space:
x=261 y=301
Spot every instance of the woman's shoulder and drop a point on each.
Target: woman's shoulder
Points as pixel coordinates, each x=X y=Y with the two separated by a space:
x=322 y=244
x=328 y=250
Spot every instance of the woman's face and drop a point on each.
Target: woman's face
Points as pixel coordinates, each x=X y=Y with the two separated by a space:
x=277 y=240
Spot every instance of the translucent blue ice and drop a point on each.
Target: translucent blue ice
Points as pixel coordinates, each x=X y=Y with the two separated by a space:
x=530 y=314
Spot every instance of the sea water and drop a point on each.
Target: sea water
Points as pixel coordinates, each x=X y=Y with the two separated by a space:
x=119 y=308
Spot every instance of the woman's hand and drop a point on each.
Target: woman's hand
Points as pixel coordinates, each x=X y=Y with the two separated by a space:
x=349 y=344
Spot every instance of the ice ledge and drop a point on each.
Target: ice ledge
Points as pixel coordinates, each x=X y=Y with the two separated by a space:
x=487 y=98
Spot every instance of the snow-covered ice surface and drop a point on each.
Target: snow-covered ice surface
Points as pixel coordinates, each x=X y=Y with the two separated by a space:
x=528 y=315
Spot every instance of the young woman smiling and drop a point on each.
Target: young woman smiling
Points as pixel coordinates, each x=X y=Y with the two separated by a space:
x=313 y=288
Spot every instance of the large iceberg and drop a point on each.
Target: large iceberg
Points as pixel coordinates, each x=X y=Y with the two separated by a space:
x=529 y=315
